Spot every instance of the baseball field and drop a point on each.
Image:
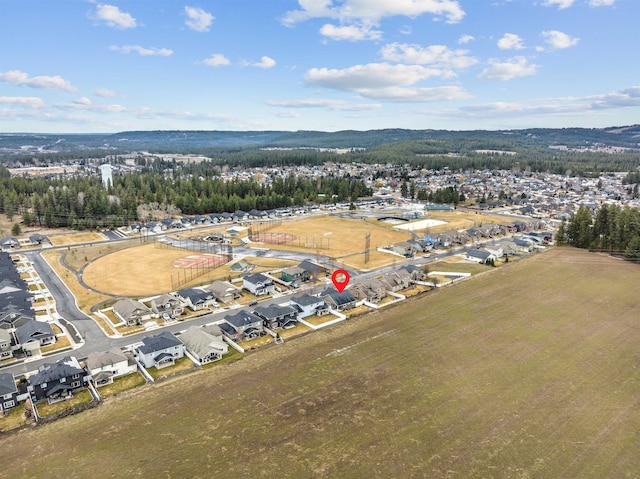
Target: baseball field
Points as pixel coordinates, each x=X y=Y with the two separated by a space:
x=529 y=371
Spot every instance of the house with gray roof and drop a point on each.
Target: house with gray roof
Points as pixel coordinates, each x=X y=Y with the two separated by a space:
x=242 y=326
x=203 y=344
x=224 y=291
x=308 y=305
x=338 y=301
x=369 y=289
x=132 y=312
x=396 y=280
x=276 y=316
x=57 y=381
x=196 y=299
x=159 y=351
x=34 y=335
x=105 y=366
x=258 y=284
x=8 y=392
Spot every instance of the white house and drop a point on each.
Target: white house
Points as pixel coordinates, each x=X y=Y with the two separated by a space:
x=258 y=284
x=105 y=366
x=205 y=344
x=308 y=305
x=160 y=350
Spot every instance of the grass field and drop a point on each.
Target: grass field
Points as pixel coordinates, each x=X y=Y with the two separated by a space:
x=73 y=238
x=528 y=371
x=342 y=239
x=145 y=270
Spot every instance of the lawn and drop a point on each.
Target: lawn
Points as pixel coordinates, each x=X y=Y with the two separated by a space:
x=297 y=329
x=123 y=383
x=14 y=419
x=320 y=320
x=62 y=342
x=528 y=371
x=73 y=238
x=231 y=357
x=80 y=398
x=182 y=364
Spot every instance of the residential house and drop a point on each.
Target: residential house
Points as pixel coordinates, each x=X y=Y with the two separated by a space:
x=9 y=243
x=224 y=292
x=369 y=289
x=276 y=316
x=8 y=392
x=33 y=335
x=479 y=255
x=196 y=299
x=159 y=351
x=338 y=301
x=294 y=274
x=5 y=344
x=258 y=284
x=166 y=304
x=308 y=305
x=314 y=271
x=39 y=240
x=405 y=248
x=242 y=326
x=105 y=366
x=13 y=316
x=396 y=280
x=57 y=381
x=132 y=312
x=204 y=344
x=416 y=273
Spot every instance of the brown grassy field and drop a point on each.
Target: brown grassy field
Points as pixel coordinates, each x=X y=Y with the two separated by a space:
x=144 y=270
x=73 y=238
x=345 y=237
x=528 y=371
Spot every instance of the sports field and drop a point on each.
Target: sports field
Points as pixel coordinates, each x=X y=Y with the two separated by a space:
x=528 y=371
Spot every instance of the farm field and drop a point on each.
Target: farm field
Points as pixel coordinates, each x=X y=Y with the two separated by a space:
x=528 y=371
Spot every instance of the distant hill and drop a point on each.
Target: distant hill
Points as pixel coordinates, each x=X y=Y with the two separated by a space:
x=180 y=140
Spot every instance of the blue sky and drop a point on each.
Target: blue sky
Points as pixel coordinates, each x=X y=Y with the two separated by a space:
x=89 y=66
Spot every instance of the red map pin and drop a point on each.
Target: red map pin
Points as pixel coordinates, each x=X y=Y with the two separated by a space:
x=338 y=282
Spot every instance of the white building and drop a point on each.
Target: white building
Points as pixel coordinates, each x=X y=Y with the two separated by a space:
x=107 y=175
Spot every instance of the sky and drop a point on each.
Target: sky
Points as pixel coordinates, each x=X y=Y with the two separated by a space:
x=83 y=66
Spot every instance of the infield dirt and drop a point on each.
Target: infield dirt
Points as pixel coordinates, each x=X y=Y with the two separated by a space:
x=531 y=370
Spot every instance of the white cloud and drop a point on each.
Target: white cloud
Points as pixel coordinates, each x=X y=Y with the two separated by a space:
x=601 y=3
x=627 y=98
x=335 y=105
x=143 y=51
x=562 y=4
x=104 y=93
x=216 y=60
x=436 y=55
x=510 y=41
x=265 y=62
x=24 y=101
x=559 y=40
x=373 y=10
x=370 y=76
x=350 y=32
x=412 y=95
x=82 y=101
x=17 y=77
x=114 y=17
x=464 y=39
x=198 y=19
x=87 y=105
x=507 y=70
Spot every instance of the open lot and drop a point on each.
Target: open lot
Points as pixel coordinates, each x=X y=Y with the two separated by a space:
x=529 y=371
x=73 y=238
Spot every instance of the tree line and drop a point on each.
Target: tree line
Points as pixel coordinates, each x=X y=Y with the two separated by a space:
x=84 y=202
x=612 y=228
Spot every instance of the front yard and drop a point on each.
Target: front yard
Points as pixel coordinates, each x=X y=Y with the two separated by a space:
x=79 y=399
x=121 y=384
